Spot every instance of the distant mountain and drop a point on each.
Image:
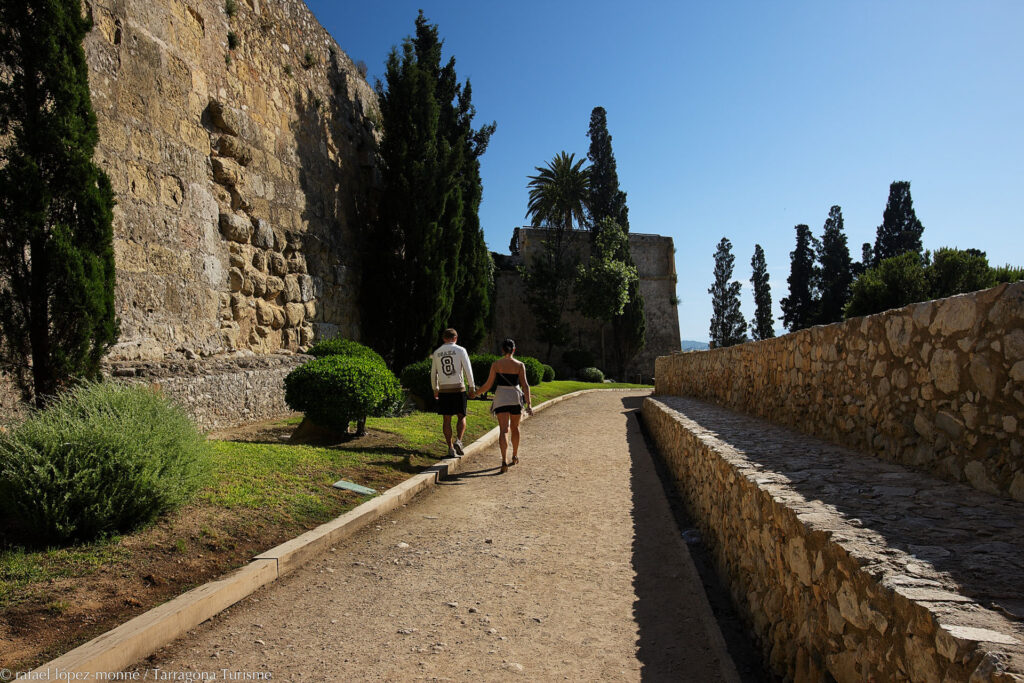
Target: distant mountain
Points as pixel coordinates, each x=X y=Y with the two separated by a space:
x=689 y=345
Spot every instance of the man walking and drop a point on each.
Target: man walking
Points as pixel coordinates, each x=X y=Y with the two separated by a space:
x=449 y=364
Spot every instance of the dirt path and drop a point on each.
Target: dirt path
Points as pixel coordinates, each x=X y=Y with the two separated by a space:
x=568 y=567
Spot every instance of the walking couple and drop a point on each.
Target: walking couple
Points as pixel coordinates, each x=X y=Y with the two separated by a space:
x=451 y=374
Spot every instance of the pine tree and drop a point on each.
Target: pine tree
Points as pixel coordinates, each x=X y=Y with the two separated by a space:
x=727 y=324
x=800 y=308
x=762 y=327
x=836 y=268
x=900 y=230
x=607 y=201
x=56 y=205
x=427 y=230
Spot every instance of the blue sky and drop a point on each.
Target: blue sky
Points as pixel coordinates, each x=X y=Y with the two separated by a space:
x=742 y=119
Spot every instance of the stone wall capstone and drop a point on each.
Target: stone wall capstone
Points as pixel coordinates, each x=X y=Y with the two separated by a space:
x=937 y=386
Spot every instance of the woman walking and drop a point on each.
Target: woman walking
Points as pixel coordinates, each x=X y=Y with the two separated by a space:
x=511 y=395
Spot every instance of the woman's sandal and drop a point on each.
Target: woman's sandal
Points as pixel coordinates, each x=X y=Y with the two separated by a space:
x=515 y=459
x=504 y=467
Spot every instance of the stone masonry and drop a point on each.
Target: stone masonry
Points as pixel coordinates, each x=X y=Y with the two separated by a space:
x=844 y=564
x=936 y=386
x=240 y=151
x=654 y=257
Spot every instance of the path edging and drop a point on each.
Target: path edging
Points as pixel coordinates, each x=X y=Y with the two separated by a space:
x=139 y=637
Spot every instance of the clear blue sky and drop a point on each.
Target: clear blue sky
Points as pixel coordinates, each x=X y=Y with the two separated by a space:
x=742 y=119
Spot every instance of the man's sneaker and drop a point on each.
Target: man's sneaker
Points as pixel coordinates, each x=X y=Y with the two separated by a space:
x=458 y=448
x=451 y=452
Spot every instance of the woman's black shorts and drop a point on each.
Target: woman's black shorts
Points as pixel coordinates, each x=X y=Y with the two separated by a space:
x=512 y=410
x=453 y=403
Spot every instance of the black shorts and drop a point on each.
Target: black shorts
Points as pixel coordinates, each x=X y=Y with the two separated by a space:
x=512 y=410
x=452 y=403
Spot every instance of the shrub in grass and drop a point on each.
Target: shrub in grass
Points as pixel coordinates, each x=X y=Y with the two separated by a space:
x=534 y=369
x=590 y=375
x=481 y=363
x=102 y=458
x=416 y=378
x=344 y=347
x=549 y=373
x=335 y=390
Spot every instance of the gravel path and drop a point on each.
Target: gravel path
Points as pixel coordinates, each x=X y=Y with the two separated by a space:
x=568 y=567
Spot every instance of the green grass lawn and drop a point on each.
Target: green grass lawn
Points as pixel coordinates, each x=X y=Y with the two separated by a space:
x=262 y=492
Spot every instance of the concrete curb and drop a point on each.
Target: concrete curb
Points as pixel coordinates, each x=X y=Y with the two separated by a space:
x=137 y=638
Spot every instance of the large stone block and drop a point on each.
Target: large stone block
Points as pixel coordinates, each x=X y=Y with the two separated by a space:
x=236 y=227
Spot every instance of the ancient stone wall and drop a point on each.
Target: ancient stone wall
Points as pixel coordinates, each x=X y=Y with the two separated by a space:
x=844 y=566
x=239 y=149
x=218 y=392
x=937 y=386
x=655 y=262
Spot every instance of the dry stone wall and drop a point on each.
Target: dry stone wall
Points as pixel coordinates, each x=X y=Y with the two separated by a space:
x=239 y=149
x=937 y=386
x=218 y=393
x=847 y=567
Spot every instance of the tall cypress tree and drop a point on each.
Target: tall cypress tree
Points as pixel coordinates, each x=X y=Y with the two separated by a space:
x=762 y=327
x=900 y=230
x=607 y=201
x=836 y=268
x=800 y=308
x=424 y=249
x=727 y=324
x=56 y=205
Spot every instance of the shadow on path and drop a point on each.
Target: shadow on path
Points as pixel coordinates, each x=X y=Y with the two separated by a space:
x=662 y=592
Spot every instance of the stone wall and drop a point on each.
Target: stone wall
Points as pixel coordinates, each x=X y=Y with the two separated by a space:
x=239 y=149
x=654 y=256
x=221 y=392
x=847 y=567
x=937 y=386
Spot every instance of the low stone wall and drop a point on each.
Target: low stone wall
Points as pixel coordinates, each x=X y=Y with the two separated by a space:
x=218 y=393
x=847 y=566
x=938 y=386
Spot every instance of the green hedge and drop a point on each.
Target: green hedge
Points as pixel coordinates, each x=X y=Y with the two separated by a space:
x=578 y=358
x=335 y=390
x=343 y=347
x=103 y=458
x=534 y=370
x=549 y=373
x=481 y=363
x=416 y=378
x=590 y=375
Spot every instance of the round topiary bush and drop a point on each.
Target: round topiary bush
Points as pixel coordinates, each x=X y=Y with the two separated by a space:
x=590 y=375
x=549 y=374
x=335 y=390
x=416 y=378
x=534 y=369
x=343 y=347
x=102 y=458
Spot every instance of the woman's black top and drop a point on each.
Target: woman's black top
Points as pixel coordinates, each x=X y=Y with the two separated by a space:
x=506 y=379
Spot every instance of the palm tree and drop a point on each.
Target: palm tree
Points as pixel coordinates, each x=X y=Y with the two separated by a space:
x=559 y=193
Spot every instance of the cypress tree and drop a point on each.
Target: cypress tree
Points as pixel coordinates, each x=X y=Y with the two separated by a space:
x=762 y=327
x=799 y=309
x=424 y=248
x=727 y=324
x=56 y=205
x=900 y=230
x=607 y=201
x=836 y=268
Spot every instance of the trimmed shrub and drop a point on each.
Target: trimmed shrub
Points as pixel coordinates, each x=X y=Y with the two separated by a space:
x=103 y=458
x=549 y=373
x=481 y=363
x=335 y=390
x=344 y=347
x=534 y=370
x=578 y=358
x=416 y=378
x=591 y=375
